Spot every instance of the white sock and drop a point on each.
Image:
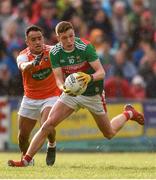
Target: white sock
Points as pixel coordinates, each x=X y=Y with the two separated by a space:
x=51 y=145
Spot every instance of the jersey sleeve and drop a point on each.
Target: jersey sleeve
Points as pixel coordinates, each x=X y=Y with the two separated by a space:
x=54 y=59
x=91 y=53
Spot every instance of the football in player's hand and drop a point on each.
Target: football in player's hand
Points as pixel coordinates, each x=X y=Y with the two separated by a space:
x=72 y=83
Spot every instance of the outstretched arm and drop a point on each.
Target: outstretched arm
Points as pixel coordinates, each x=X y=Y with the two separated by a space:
x=25 y=65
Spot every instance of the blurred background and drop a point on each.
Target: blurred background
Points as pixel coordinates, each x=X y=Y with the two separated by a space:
x=124 y=35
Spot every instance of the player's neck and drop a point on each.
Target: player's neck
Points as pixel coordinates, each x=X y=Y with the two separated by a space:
x=68 y=51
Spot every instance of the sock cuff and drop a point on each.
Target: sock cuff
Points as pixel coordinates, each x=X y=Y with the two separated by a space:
x=127 y=115
x=51 y=145
x=27 y=158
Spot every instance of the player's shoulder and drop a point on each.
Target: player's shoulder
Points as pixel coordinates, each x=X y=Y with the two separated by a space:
x=81 y=43
x=47 y=47
x=24 y=53
x=55 y=49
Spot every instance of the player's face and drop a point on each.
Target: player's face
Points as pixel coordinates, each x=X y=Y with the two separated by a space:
x=67 y=39
x=35 y=41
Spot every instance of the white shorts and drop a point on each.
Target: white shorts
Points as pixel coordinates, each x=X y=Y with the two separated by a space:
x=95 y=104
x=32 y=108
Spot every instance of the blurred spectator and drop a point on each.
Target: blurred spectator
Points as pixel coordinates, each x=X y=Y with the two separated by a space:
x=62 y=6
x=104 y=53
x=151 y=83
x=13 y=51
x=9 y=32
x=146 y=29
x=134 y=21
x=148 y=59
x=96 y=36
x=20 y=16
x=4 y=69
x=122 y=45
x=120 y=21
x=83 y=8
x=48 y=20
x=35 y=11
x=81 y=28
x=102 y=21
x=138 y=87
x=137 y=55
x=107 y=7
x=15 y=83
x=5 y=11
x=117 y=86
x=121 y=62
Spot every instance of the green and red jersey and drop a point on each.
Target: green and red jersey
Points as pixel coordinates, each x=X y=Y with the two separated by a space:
x=77 y=61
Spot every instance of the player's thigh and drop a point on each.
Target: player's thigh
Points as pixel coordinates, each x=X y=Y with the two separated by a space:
x=103 y=123
x=44 y=114
x=26 y=125
x=47 y=104
x=58 y=113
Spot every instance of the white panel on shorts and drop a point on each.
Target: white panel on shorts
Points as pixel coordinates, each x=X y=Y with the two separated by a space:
x=32 y=108
x=92 y=103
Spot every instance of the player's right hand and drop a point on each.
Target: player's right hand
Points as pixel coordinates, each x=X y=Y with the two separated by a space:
x=37 y=60
x=67 y=91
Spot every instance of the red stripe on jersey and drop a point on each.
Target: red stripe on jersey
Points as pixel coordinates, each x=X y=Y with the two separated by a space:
x=82 y=67
x=85 y=41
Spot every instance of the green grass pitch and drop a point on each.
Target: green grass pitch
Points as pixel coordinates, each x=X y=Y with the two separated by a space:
x=84 y=166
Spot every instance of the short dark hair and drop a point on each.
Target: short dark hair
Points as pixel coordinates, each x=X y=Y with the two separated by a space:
x=62 y=27
x=33 y=28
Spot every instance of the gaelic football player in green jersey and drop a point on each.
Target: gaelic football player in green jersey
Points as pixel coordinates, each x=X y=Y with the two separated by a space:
x=71 y=55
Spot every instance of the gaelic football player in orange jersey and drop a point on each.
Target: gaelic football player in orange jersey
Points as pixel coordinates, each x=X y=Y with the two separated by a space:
x=40 y=90
x=71 y=55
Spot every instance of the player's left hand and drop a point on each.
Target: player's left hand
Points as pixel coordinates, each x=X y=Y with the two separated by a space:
x=85 y=78
x=37 y=60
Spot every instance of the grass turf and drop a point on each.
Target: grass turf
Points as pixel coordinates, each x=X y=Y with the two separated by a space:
x=83 y=166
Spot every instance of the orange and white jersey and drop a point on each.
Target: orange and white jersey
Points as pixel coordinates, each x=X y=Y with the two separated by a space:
x=39 y=83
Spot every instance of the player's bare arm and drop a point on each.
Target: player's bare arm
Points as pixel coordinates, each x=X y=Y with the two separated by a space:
x=98 y=75
x=26 y=65
x=59 y=77
x=99 y=71
x=60 y=81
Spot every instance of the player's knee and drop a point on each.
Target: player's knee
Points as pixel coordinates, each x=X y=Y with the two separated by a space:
x=47 y=129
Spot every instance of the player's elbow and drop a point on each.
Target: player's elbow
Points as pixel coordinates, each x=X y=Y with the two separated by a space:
x=102 y=73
